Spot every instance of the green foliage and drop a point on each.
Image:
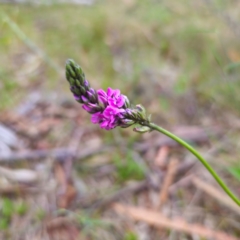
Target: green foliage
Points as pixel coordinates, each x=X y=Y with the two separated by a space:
x=21 y=208
x=40 y=214
x=181 y=85
x=127 y=169
x=235 y=171
x=118 y=46
x=7 y=88
x=8 y=209
x=4 y=222
x=90 y=222
x=130 y=236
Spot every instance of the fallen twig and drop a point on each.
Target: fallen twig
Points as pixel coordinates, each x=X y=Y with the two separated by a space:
x=161 y=157
x=156 y=219
x=17 y=190
x=101 y=202
x=213 y=192
x=172 y=168
x=59 y=154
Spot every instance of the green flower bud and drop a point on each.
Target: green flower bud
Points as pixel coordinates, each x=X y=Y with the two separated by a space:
x=142 y=129
x=70 y=71
x=127 y=102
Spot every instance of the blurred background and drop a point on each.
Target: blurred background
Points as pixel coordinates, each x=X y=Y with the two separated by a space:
x=62 y=177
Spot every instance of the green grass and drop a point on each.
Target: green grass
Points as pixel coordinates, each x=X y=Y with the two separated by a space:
x=9 y=208
x=128 y=169
x=116 y=47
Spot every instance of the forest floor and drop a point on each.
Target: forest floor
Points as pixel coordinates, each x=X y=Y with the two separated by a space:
x=62 y=177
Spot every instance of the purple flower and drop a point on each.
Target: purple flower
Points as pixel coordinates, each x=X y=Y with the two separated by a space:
x=111 y=112
x=115 y=98
x=108 y=119
x=97 y=117
x=107 y=123
x=112 y=97
x=91 y=108
x=102 y=97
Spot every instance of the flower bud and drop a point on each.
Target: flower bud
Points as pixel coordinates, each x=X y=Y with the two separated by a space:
x=78 y=98
x=79 y=72
x=71 y=81
x=70 y=70
x=91 y=108
x=142 y=129
x=92 y=97
x=68 y=76
x=75 y=90
x=127 y=102
x=141 y=111
x=86 y=84
x=83 y=90
x=126 y=123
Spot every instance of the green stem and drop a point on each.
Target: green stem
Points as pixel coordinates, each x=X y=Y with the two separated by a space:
x=200 y=158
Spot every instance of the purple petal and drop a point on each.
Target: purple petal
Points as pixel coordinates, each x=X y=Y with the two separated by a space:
x=92 y=91
x=102 y=96
x=110 y=111
x=86 y=107
x=104 y=124
x=84 y=99
x=90 y=94
x=120 y=101
x=76 y=97
x=96 y=117
x=110 y=92
x=117 y=101
x=129 y=111
x=86 y=83
x=101 y=92
x=121 y=114
x=91 y=108
x=113 y=93
x=108 y=124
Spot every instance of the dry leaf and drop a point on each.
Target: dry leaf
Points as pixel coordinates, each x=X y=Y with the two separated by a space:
x=67 y=191
x=161 y=157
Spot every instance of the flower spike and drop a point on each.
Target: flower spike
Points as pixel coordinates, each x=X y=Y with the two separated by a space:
x=109 y=108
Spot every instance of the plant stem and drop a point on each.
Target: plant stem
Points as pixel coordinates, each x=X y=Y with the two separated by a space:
x=199 y=157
